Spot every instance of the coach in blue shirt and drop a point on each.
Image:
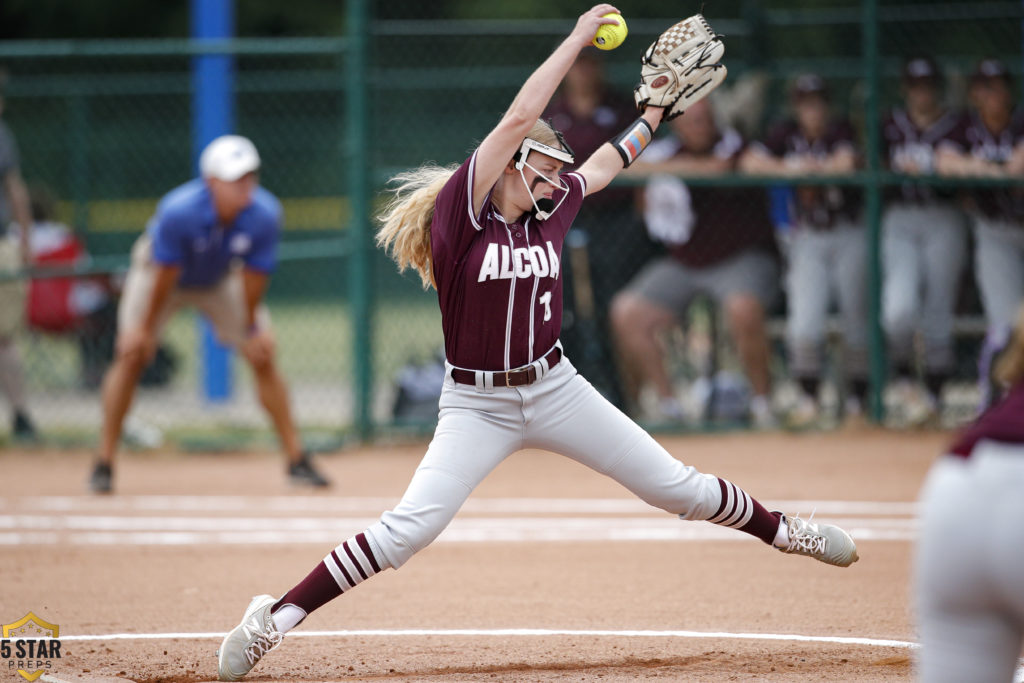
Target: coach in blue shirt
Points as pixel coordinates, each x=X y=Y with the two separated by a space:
x=212 y=244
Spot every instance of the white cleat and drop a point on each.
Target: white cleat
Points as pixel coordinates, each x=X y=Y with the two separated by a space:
x=246 y=644
x=824 y=542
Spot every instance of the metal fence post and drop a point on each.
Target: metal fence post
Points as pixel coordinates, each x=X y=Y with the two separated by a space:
x=873 y=209
x=359 y=229
x=213 y=115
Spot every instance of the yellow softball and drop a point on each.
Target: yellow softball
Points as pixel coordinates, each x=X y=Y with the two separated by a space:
x=610 y=36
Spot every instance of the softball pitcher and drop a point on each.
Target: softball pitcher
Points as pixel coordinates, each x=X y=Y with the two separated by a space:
x=488 y=236
x=969 y=583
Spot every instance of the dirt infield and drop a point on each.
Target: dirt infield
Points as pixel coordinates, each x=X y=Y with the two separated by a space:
x=550 y=573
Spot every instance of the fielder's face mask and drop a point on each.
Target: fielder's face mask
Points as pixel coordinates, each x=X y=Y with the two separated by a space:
x=544 y=207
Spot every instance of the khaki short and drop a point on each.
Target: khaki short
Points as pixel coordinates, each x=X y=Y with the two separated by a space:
x=672 y=285
x=12 y=292
x=223 y=303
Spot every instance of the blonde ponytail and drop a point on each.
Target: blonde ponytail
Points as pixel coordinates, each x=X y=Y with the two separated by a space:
x=405 y=220
x=1010 y=366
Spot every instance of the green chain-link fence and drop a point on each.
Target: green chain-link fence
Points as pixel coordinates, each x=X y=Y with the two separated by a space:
x=106 y=126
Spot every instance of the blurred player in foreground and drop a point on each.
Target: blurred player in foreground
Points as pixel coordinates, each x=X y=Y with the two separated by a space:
x=969 y=583
x=212 y=244
x=488 y=235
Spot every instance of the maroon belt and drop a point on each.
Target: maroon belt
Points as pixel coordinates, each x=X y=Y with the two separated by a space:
x=509 y=378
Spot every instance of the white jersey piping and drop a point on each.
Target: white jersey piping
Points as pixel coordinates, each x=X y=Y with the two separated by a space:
x=533 y=296
x=469 y=194
x=511 y=300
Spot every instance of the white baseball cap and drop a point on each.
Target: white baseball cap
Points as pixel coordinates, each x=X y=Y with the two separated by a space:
x=228 y=158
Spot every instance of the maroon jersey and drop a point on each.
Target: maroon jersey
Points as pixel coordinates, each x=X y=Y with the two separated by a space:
x=1001 y=204
x=815 y=206
x=1003 y=422
x=909 y=149
x=498 y=277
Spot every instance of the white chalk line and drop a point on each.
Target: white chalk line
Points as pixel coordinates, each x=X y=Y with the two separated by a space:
x=109 y=530
x=144 y=520
x=539 y=632
x=163 y=523
x=519 y=633
x=376 y=505
x=242 y=524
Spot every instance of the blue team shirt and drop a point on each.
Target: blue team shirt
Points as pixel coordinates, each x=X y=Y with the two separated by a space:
x=186 y=232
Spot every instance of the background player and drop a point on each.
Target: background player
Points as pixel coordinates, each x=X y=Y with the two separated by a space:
x=992 y=145
x=189 y=255
x=720 y=244
x=969 y=584
x=924 y=241
x=827 y=249
x=488 y=235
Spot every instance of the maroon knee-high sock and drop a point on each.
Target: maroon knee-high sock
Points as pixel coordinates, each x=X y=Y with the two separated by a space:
x=345 y=567
x=740 y=511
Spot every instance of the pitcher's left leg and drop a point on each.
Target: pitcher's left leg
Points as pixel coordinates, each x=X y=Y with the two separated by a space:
x=574 y=419
x=568 y=416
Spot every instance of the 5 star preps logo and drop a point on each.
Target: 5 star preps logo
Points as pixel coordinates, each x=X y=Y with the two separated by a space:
x=30 y=645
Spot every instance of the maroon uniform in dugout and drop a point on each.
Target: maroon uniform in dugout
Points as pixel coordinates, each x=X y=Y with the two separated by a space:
x=815 y=206
x=906 y=148
x=998 y=204
x=728 y=220
x=498 y=277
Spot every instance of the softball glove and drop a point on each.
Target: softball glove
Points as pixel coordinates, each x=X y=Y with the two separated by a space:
x=681 y=67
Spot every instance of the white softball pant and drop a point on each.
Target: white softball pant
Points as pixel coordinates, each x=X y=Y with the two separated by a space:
x=478 y=428
x=822 y=264
x=969 y=583
x=923 y=253
x=999 y=269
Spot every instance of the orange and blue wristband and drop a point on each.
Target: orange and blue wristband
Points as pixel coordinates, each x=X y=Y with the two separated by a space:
x=632 y=141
